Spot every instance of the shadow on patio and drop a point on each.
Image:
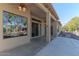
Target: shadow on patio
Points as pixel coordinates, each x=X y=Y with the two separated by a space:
x=29 y=49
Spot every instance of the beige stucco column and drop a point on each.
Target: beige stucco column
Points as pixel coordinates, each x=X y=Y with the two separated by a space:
x=48 y=28
x=29 y=23
x=58 y=27
x=42 y=28
x=1 y=25
x=54 y=29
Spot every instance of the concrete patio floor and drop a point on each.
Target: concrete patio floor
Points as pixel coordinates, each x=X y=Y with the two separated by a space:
x=29 y=49
x=61 y=46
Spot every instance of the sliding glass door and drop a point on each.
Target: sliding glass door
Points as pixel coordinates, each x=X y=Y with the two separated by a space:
x=35 y=29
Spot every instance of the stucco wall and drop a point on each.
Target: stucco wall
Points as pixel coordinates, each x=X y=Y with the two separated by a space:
x=10 y=43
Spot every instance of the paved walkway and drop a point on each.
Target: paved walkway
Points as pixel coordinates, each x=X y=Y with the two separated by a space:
x=29 y=49
x=61 y=46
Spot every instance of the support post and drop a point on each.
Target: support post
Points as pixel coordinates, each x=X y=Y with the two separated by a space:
x=48 y=27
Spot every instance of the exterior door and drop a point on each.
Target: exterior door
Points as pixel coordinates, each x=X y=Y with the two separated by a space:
x=35 y=29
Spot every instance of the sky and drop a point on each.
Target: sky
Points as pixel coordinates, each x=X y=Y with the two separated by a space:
x=66 y=11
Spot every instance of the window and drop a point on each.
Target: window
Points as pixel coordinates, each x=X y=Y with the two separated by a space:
x=14 y=25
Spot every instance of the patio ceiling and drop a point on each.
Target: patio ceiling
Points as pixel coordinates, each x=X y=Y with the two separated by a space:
x=36 y=11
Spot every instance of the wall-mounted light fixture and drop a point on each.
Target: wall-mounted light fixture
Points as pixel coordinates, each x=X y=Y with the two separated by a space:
x=19 y=7
x=22 y=7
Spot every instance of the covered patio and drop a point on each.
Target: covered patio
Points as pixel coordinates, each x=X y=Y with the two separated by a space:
x=23 y=23
x=46 y=19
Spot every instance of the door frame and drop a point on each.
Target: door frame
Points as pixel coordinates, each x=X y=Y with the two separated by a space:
x=39 y=23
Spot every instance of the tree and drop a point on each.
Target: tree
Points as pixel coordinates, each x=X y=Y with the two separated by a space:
x=72 y=24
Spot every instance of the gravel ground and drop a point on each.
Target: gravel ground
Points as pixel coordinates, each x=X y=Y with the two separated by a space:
x=69 y=35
